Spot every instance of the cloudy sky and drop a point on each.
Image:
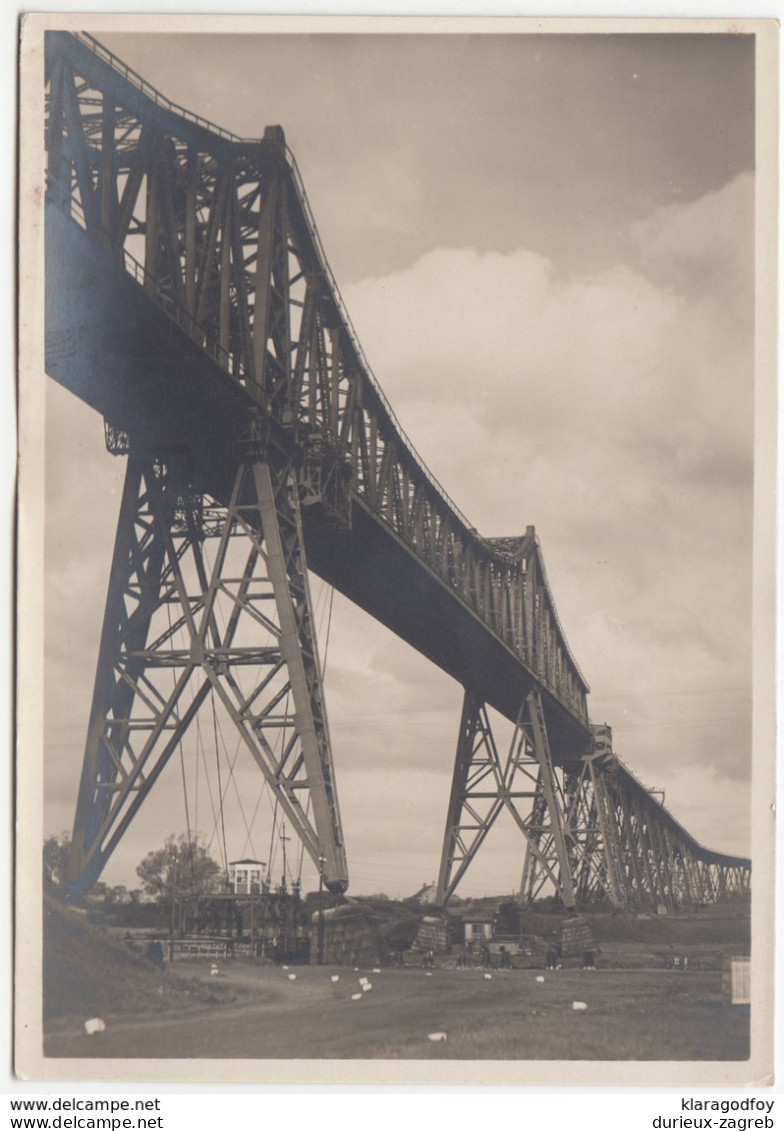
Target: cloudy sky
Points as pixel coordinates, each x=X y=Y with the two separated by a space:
x=545 y=244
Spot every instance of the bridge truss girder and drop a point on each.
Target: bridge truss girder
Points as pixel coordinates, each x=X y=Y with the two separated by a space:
x=218 y=232
x=524 y=784
x=182 y=625
x=593 y=834
x=649 y=860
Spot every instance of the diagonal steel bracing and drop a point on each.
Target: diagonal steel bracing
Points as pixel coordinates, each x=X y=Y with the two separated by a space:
x=209 y=253
x=592 y=832
x=181 y=626
x=218 y=232
x=483 y=787
x=630 y=850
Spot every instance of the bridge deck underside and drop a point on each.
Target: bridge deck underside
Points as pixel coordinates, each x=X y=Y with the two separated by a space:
x=114 y=348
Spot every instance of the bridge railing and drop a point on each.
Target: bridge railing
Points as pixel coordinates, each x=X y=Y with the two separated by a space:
x=632 y=783
x=371 y=377
x=183 y=318
x=227 y=360
x=341 y=393
x=146 y=88
x=139 y=273
x=570 y=690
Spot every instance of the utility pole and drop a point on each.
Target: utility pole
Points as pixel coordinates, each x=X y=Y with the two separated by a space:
x=253 y=902
x=283 y=839
x=173 y=873
x=321 y=862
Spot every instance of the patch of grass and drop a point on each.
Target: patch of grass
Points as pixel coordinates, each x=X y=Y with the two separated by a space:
x=87 y=973
x=720 y=925
x=631 y=1021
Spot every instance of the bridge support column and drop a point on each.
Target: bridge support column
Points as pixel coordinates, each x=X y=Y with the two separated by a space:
x=183 y=625
x=585 y=835
x=483 y=786
x=611 y=867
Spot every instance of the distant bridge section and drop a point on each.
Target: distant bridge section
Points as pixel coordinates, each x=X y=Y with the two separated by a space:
x=647 y=858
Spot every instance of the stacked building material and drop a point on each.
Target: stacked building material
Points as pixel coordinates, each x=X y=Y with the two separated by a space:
x=577 y=944
x=350 y=938
x=431 y=936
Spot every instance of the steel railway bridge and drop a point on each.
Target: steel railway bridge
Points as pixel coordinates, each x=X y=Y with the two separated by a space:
x=189 y=301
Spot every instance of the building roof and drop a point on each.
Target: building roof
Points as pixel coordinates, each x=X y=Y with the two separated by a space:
x=425 y=890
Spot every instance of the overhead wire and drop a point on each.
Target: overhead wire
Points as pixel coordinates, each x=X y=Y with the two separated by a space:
x=271 y=852
x=329 y=627
x=259 y=796
x=231 y=762
x=201 y=749
x=220 y=744
x=183 y=775
x=324 y=610
x=302 y=845
x=220 y=787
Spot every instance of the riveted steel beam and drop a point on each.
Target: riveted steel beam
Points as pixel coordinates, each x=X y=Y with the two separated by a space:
x=177 y=629
x=524 y=785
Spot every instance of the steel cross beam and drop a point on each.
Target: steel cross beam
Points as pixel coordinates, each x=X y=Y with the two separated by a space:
x=585 y=836
x=218 y=232
x=593 y=833
x=483 y=787
x=179 y=628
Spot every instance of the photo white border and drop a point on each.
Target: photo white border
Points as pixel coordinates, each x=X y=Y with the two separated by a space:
x=28 y=1059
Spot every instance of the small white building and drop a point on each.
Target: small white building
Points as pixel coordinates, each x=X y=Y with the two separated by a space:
x=427 y=894
x=246 y=877
x=478 y=929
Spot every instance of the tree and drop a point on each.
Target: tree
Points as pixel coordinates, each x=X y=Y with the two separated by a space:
x=183 y=869
x=56 y=850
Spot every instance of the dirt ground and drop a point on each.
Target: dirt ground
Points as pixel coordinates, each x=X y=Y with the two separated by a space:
x=636 y=1006
x=514 y=1014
